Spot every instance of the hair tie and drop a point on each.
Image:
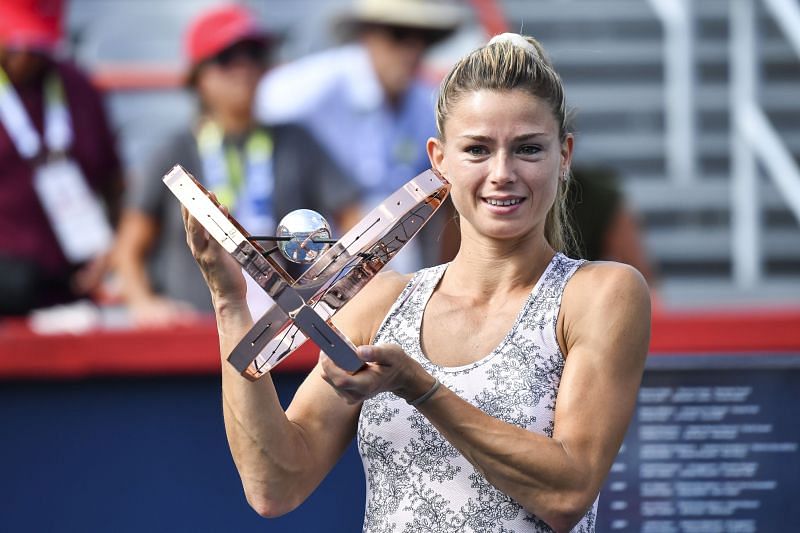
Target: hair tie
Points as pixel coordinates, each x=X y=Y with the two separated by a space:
x=425 y=397
x=516 y=40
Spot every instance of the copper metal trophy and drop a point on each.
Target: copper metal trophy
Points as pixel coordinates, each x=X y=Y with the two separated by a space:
x=301 y=308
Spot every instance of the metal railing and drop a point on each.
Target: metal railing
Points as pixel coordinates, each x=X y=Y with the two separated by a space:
x=679 y=73
x=753 y=138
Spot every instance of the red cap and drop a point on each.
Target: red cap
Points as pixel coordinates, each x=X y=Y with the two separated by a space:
x=30 y=24
x=219 y=28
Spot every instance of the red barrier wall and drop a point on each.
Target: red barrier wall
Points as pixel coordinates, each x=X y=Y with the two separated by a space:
x=192 y=350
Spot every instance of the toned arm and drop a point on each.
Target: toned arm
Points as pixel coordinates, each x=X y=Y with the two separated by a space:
x=604 y=332
x=282 y=457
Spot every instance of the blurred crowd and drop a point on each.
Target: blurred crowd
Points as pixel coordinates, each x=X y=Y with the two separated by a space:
x=336 y=132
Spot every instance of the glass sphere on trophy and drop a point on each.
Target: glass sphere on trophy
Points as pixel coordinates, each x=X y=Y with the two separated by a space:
x=303 y=235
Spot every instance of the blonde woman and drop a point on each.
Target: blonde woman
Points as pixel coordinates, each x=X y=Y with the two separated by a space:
x=498 y=387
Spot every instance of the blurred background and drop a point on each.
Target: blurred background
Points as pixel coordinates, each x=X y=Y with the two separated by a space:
x=651 y=84
x=692 y=107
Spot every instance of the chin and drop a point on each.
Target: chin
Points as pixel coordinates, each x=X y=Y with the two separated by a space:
x=505 y=234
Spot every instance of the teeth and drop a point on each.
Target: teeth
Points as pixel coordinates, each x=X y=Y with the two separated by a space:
x=492 y=201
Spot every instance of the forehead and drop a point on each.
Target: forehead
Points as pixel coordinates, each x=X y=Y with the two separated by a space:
x=515 y=109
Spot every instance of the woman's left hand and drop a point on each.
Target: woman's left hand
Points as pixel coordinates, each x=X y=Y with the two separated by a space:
x=387 y=369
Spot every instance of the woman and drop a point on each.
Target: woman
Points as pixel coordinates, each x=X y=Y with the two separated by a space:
x=506 y=328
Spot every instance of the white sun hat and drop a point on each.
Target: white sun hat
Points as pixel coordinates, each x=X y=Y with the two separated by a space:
x=443 y=16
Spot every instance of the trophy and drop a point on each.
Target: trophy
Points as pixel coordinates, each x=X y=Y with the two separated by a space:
x=302 y=308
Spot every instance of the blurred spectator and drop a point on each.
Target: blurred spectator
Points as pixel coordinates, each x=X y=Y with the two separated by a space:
x=57 y=161
x=367 y=103
x=259 y=173
x=605 y=227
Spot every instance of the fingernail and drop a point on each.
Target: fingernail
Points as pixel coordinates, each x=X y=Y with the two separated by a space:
x=365 y=353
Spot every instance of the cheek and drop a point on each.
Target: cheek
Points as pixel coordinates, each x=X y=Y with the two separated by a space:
x=455 y=164
x=456 y=193
x=462 y=192
x=549 y=191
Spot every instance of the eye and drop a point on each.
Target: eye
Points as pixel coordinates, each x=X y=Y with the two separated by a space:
x=476 y=150
x=529 y=149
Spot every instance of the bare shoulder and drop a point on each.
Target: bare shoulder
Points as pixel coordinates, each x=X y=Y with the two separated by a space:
x=597 y=282
x=603 y=297
x=380 y=293
x=362 y=315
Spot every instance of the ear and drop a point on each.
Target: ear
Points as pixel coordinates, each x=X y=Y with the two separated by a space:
x=566 y=152
x=435 y=149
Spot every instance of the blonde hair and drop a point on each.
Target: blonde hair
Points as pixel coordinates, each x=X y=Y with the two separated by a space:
x=509 y=62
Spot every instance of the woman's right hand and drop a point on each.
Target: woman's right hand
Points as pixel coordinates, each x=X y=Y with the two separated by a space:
x=221 y=271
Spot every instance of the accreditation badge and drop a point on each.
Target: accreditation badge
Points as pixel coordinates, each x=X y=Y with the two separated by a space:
x=73 y=209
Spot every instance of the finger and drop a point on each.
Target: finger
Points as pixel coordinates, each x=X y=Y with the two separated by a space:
x=366 y=353
x=328 y=367
x=222 y=207
x=349 y=396
x=330 y=372
x=334 y=374
x=380 y=354
x=188 y=220
x=196 y=235
x=358 y=385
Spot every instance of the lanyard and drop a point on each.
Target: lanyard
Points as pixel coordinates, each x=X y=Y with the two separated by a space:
x=75 y=214
x=18 y=124
x=241 y=179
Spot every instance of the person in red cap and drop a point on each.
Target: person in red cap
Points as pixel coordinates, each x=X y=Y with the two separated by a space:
x=259 y=173
x=60 y=177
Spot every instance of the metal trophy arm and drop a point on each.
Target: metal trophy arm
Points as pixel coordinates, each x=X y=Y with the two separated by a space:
x=303 y=308
x=289 y=305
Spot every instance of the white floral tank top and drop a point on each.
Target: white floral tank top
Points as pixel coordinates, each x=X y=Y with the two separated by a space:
x=416 y=480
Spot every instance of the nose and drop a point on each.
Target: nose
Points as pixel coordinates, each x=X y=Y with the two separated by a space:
x=502 y=170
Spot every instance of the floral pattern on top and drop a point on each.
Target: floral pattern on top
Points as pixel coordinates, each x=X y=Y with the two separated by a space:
x=416 y=480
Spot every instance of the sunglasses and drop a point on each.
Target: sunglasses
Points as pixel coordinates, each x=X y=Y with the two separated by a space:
x=250 y=51
x=406 y=34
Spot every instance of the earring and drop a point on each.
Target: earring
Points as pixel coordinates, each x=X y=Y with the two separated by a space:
x=565 y=175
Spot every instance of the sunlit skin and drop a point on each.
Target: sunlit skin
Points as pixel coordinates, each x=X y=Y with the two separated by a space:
x=501 y=146
x=497 y=146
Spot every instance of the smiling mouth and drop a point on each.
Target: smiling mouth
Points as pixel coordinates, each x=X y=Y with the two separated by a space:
x=503 y=203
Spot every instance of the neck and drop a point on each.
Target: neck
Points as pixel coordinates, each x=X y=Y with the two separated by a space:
x=30 y=75
x=394 y=99
x=484 y=267
x=232 y=123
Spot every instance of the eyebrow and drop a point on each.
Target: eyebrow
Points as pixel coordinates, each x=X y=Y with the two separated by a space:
x=518 y=138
